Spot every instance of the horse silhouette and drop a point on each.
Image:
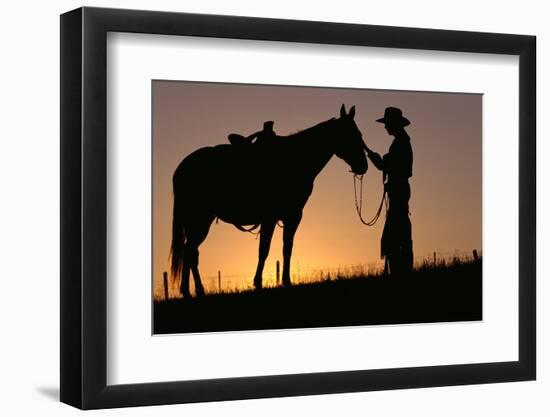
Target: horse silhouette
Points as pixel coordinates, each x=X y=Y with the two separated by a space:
x=256 y=184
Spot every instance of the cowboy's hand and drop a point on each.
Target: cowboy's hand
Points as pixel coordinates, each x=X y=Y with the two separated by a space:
x=375 y=158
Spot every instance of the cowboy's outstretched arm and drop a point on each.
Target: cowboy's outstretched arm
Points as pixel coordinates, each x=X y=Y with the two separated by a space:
x=376 y=159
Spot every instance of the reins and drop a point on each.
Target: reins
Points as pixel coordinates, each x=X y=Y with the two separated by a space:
x=359 y=204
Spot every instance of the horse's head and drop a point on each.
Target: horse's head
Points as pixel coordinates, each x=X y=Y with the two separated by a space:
x=349 y=144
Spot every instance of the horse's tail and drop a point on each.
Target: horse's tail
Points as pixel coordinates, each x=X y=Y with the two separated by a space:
x=178 y=238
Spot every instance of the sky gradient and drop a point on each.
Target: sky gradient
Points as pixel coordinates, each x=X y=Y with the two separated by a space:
x=446 y=187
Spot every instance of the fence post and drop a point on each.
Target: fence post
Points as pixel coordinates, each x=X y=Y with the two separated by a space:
x=277 y=274
x=475 y=255
x=434 y=259
x=165 y=276
x=220 y=281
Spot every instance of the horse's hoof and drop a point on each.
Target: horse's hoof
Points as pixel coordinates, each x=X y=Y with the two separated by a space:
x=200 y=292
x=257 y=284
x=287 y=284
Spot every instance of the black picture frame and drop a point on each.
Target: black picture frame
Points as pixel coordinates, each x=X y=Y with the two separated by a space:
x=84 y=207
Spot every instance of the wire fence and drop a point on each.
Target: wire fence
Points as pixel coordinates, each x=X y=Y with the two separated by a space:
x=227 y=283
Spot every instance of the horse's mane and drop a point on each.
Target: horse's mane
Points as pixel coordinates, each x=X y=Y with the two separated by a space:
x=308 y=131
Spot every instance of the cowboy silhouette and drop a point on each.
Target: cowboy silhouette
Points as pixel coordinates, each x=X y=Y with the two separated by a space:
x=396 y=165
x=263 y=136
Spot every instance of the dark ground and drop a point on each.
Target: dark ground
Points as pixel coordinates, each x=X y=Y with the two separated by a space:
x=446 y=293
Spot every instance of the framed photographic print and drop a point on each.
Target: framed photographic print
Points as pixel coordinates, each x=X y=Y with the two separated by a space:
x=259 y=207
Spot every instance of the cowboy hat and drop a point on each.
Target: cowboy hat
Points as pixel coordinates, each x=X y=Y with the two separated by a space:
x=394 y=117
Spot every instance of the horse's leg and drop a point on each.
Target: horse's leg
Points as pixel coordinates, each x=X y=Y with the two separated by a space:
x=266 y=233
x=195 y=236
x=199 y=289
x=184 y=286
x=290 y=227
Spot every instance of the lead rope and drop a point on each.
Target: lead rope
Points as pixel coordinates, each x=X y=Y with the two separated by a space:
x=359 y=204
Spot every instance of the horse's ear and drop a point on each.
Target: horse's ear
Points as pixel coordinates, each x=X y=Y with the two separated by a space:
x=342 y=110
x=352 y=112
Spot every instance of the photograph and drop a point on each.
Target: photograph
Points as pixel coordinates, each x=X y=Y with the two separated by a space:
x=292 y=207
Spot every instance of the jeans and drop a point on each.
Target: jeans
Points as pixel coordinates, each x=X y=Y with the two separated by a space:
x=396 y=242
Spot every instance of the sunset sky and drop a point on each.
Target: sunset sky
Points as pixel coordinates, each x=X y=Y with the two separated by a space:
x=446 y=201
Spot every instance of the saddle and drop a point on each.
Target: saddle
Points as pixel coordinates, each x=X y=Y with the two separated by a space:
x=261 y=136
x=236 y=139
